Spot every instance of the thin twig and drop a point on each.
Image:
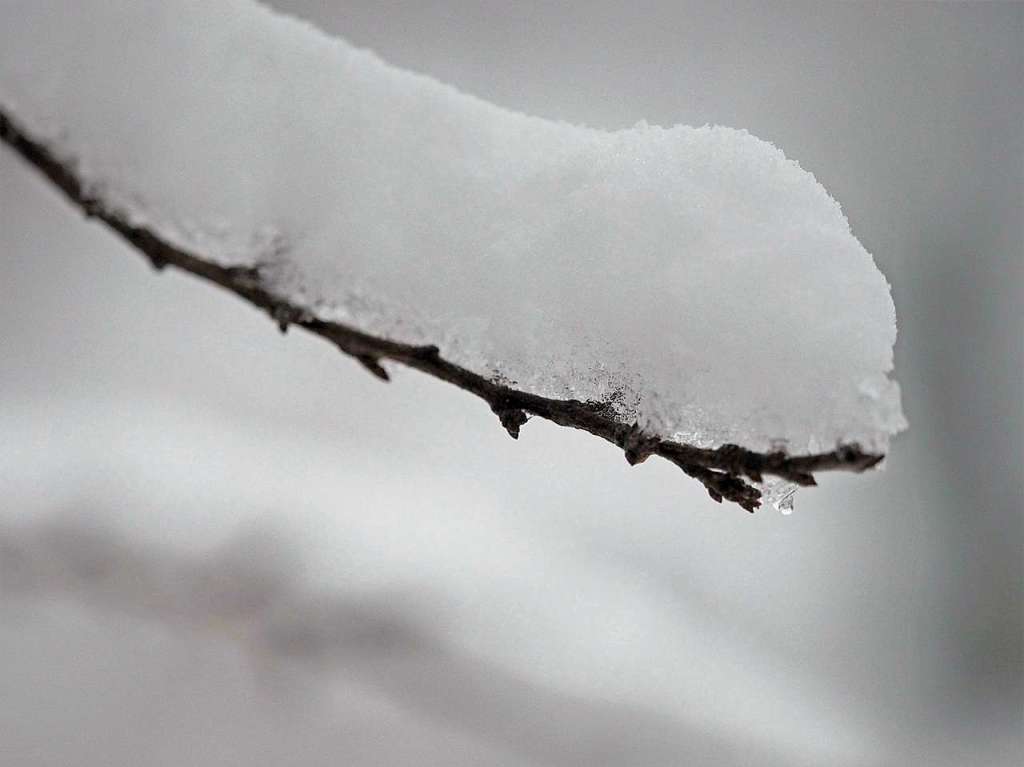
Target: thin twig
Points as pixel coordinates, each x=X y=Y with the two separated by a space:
x=724 y=471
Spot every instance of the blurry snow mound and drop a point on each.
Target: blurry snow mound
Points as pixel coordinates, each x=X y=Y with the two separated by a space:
x=695 y=277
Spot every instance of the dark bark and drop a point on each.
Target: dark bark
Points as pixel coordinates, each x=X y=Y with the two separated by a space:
x=726 y=472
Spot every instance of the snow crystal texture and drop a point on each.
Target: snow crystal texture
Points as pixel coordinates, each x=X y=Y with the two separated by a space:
x=697 y=278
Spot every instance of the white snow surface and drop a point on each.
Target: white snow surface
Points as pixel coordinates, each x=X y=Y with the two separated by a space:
x=697 y=277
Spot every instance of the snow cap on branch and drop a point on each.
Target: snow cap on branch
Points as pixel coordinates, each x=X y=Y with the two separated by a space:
x=695 y=279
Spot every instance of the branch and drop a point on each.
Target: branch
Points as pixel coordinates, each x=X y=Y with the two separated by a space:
x=726 y=472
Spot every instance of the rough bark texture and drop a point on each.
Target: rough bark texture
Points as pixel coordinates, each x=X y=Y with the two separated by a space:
x=726 y=472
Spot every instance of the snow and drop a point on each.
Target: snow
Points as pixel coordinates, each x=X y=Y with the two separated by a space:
x=696 y=276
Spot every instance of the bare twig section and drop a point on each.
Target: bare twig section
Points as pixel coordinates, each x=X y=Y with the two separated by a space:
x=724 y=471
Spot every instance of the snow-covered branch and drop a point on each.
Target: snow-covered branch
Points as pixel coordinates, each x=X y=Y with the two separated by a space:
x=727 y=472
x=684 y=292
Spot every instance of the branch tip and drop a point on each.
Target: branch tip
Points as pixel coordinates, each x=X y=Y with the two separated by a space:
x=373 y=365
x=511 y=418
x=637 y=446
x=283 y=316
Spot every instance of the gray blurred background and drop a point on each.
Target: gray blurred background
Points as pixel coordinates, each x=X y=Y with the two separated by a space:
x=219 y=545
